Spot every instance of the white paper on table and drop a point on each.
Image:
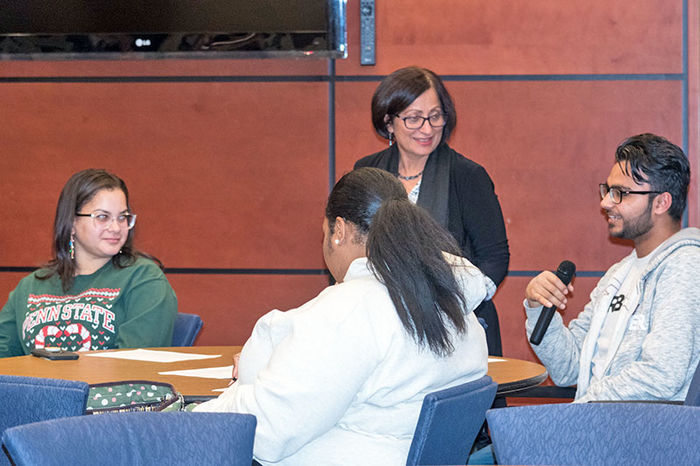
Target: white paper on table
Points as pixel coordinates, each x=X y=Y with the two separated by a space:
x=153 y=355
x=205 y=372
x=496 y=359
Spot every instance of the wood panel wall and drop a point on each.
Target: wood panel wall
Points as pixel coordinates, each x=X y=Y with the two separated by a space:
x=229 y=162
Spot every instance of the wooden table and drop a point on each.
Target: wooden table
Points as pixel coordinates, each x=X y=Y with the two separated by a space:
x=515 y=375
x=512 y=375
x=99 y=370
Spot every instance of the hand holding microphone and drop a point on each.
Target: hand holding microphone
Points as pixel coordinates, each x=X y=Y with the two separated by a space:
x=549 y=290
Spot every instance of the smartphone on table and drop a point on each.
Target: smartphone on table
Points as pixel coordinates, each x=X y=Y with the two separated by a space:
x=54 y=354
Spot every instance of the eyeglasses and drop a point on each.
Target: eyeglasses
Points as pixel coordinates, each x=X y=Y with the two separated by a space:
x=436 y=120
x=102 y=221
x=616 y=194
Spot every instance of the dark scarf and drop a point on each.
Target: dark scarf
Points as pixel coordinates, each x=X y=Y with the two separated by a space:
x=435 y=184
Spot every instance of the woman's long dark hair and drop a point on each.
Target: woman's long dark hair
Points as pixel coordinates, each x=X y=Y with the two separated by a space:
x=405 y=251
x=78 y=191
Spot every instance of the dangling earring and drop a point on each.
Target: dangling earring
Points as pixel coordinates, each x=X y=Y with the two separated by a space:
x=71 y=248
x=391 y=139
x=337 y=241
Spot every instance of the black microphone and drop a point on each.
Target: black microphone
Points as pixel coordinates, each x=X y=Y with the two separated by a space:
x=565 y=272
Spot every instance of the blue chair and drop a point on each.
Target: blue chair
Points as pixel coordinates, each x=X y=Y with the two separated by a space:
x=139 y=438
x=692 y=398
x=187 y=327
x=449 y=421
x=596 y=433
x=28 y=399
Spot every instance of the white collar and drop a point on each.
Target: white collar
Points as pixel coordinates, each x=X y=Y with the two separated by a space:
x=358 y=268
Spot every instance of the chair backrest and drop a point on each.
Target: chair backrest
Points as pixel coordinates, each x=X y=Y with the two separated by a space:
x=693 y=396
x=449 y=421
x=137 y=438
x=29 y=399
x=187 y=327
x=596 y=433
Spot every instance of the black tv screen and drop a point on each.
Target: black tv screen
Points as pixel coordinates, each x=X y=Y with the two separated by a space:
x=171 y=28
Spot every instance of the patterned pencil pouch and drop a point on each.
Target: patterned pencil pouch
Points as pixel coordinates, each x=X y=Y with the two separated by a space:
x=133 y=395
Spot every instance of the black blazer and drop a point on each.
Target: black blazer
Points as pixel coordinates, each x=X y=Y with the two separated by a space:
x=474 y=218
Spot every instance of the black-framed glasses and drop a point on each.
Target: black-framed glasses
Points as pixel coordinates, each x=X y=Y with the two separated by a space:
x=616 y=194
x=103 y=220
x=436 y=120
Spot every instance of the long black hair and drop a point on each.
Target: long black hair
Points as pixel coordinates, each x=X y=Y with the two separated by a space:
x=80 y=189
x=405 y=250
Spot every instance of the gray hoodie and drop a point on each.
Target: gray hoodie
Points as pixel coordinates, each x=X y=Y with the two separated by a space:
x=656 y=353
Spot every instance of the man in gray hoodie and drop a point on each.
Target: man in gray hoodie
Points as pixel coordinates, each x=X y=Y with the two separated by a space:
x=639 y=336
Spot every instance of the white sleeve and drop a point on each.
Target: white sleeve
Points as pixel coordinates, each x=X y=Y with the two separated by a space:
x=475 y=286
x=269 y=330
x=311 y=378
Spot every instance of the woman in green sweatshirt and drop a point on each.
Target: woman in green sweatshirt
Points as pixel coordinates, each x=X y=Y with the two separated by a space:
x=97 y=292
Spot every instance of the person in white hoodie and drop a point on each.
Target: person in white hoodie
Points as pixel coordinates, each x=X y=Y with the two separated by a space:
x=639 y=336
x=341 y=379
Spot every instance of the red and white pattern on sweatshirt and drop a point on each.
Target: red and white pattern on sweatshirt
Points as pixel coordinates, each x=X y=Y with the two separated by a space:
x=71 y=322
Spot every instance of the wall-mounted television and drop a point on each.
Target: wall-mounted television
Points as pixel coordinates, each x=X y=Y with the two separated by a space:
x=82 y=29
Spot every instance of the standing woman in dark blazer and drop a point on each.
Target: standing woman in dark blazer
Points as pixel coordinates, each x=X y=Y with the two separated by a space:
x=413 y=110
